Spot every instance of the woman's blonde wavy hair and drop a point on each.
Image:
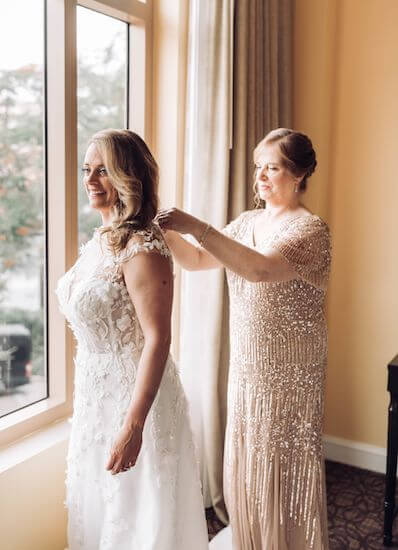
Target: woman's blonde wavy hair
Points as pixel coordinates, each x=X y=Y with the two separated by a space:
x=134 y=174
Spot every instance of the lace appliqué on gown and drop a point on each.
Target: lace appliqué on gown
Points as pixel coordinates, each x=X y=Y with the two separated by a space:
x=144 y=507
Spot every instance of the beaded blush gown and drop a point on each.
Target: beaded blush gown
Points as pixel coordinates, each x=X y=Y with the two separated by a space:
x=156 y=505
x=273 y=468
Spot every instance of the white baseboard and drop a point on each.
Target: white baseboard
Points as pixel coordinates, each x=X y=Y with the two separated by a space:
x=361 y=455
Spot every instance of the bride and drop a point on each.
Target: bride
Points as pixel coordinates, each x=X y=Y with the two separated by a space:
x=132 y=479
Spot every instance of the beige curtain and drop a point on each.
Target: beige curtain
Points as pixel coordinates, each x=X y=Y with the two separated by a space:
x=263 y=44
x=208 y=139
x=225 y=108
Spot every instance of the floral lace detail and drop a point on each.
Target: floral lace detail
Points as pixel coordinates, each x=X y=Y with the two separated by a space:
x=111 y=321
x=106 y=511
x=144 y=241
x=177 y=408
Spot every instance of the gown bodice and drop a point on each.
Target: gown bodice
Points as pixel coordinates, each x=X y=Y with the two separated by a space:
x=94 y=298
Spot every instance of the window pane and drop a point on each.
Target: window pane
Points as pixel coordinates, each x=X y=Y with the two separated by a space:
x=22 y=216
x=102 y=91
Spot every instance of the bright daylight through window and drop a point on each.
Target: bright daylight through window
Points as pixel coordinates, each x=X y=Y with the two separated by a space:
x=36 y=233
x=102 y=46
x=23 y=371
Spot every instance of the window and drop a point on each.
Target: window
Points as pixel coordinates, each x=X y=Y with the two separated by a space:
x=49 y=107
x=102 y=90
x=23 y=372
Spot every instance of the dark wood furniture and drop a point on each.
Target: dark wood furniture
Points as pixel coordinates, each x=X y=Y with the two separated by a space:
x=392 y=451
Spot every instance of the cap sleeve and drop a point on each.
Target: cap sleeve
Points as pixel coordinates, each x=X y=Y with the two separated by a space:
x=306 y=245
x=234 y=228
x=150 y=240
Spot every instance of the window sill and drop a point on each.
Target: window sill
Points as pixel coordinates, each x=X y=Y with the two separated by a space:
x=34 y=444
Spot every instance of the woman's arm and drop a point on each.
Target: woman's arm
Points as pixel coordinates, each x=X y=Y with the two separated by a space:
x=149 y=282
x=190 y=257
x=246 y=262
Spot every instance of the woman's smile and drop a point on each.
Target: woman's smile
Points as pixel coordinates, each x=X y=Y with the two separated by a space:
x=94 y=192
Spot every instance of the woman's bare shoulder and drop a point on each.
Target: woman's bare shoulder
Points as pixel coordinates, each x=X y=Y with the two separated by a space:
x=150 y=239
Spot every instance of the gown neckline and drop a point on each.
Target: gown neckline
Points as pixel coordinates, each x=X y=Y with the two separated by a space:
x=281 y=225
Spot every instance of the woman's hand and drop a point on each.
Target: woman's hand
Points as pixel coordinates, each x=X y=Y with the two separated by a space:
x=125 y=450
x=179 y=221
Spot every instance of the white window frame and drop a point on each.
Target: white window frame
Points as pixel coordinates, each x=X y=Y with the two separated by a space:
x=62 y=223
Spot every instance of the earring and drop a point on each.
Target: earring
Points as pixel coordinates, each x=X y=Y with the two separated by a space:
x=296 y=188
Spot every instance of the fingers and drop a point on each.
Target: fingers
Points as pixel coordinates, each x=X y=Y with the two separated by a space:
x=115 y=461
x=119 y=465
x=114 y=465
x=165 y=217
x=117 y=468
x=128 y=466
x=124 y=452
x=167 y=211
x=111 y=462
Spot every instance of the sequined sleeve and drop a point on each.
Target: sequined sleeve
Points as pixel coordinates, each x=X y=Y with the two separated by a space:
x=306 y=246
x=234 y=228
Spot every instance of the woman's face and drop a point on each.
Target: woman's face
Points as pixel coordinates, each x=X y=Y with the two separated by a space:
x=273 y=180
x=101 y=193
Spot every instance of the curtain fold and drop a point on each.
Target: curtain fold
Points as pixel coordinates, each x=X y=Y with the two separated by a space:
x=225 y=108
x=262 y=89
x=208 y=136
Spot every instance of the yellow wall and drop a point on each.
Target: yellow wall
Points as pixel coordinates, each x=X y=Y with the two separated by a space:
x=313 y=77
x=32 y=513
x=346 y=98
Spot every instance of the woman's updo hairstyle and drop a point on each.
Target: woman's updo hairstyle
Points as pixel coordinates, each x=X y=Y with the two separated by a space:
x=134 y=174
x=296 y=150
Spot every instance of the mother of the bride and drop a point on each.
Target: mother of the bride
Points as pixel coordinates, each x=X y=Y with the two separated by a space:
x=277 y=260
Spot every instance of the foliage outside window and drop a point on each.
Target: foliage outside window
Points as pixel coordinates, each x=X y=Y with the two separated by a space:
x=37 y=246
x=22 y=211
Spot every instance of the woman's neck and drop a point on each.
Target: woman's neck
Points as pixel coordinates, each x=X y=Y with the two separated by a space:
x=106 y=216
x=278 y=210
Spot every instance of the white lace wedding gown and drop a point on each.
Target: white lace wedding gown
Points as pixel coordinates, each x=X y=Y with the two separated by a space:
x=157 y=505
